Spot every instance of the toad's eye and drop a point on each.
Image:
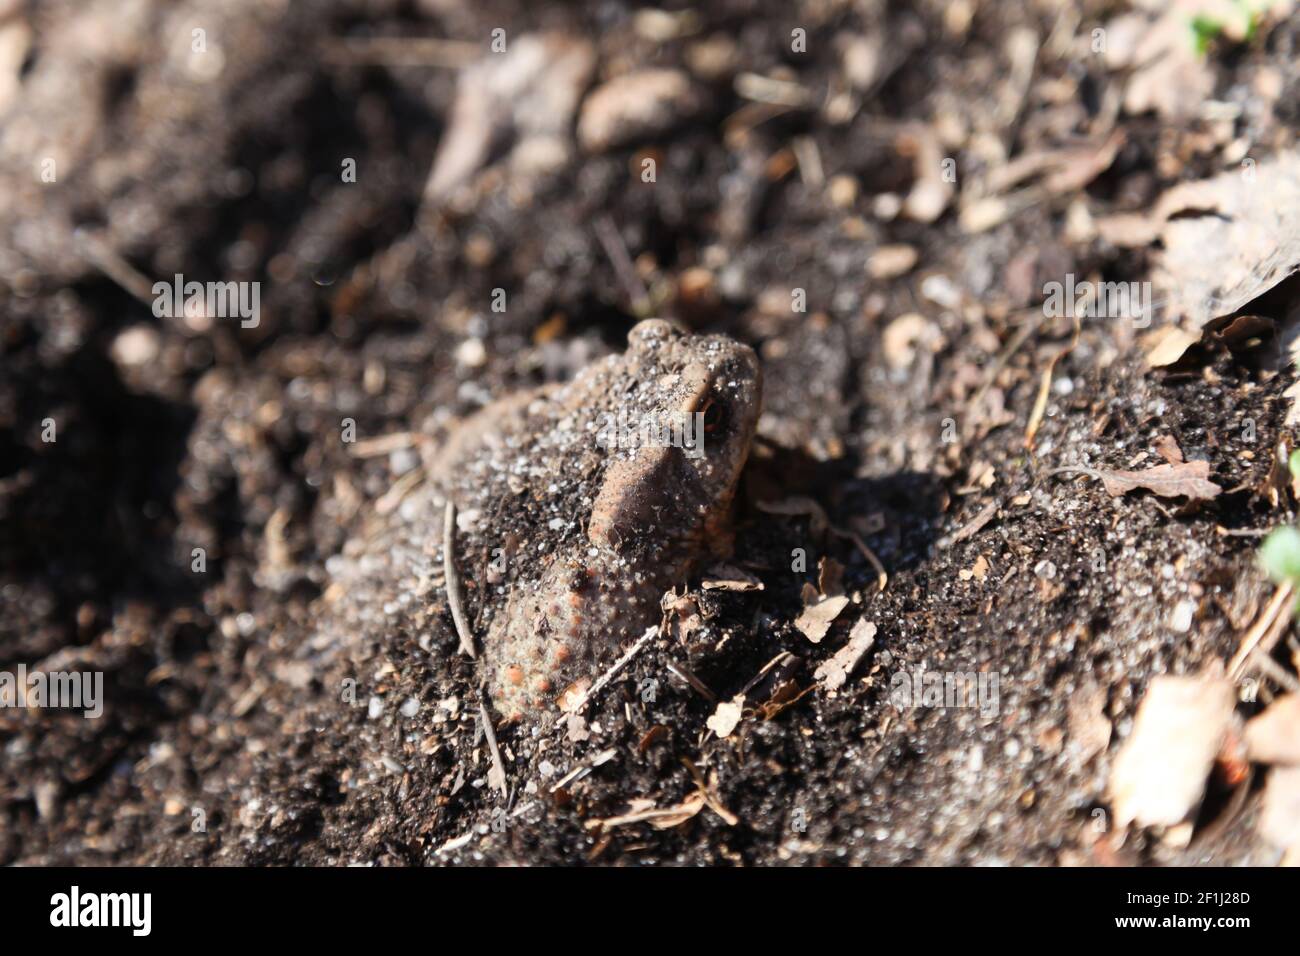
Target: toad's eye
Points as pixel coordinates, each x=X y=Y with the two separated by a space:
x=715 y=414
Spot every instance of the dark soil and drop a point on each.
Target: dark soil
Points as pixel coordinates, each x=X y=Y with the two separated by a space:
x=224 y=740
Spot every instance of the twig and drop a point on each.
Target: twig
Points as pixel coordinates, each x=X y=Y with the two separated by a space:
x=498 y=768
x=1265 y=632
x=1044 y=390
x=106 y=259
x=1273 y=669
x=453 y=579
x=882 y=577
x=1012 y=348
x=582 y=769
x=765 y=89
x=384 y=444
x=710 y=798
x=680 y=670
x=1074 y=469
x=399 y=51
x=605 y=678
x=616 y=250
x=810 y=508
x=972 y=527
x=810 y=161
x=765 y=670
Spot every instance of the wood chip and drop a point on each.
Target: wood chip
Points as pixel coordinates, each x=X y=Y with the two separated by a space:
x=833 y=673
x=819 y=613
x=727 y=716
x=892 y=261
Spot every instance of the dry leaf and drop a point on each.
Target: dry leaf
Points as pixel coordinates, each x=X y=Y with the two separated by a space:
x=1168 y=345
x=1274 y=735
x=1190 y=479
x=978 y=571
x=1159 y=774
x=1226 y=240
x=833 y=673
x=1279 y=822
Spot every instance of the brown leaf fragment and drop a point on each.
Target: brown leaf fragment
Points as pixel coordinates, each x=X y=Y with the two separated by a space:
x=576 y=728
x=1189 y=479
x=1160 y=772
x=724 y=577
x=1274 y=735
x=830 y=577
x=784 y=696
x=1167 y=448
x=681 y=616
x=1167 y=346
x=833 y=673
x=819 y=613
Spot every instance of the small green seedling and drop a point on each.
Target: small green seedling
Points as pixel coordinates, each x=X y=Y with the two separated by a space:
x=1206 y=29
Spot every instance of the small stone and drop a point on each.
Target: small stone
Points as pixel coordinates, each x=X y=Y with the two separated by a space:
x=1181 y=619
x=889 y=262
x=843 y=191
x=135 y=346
